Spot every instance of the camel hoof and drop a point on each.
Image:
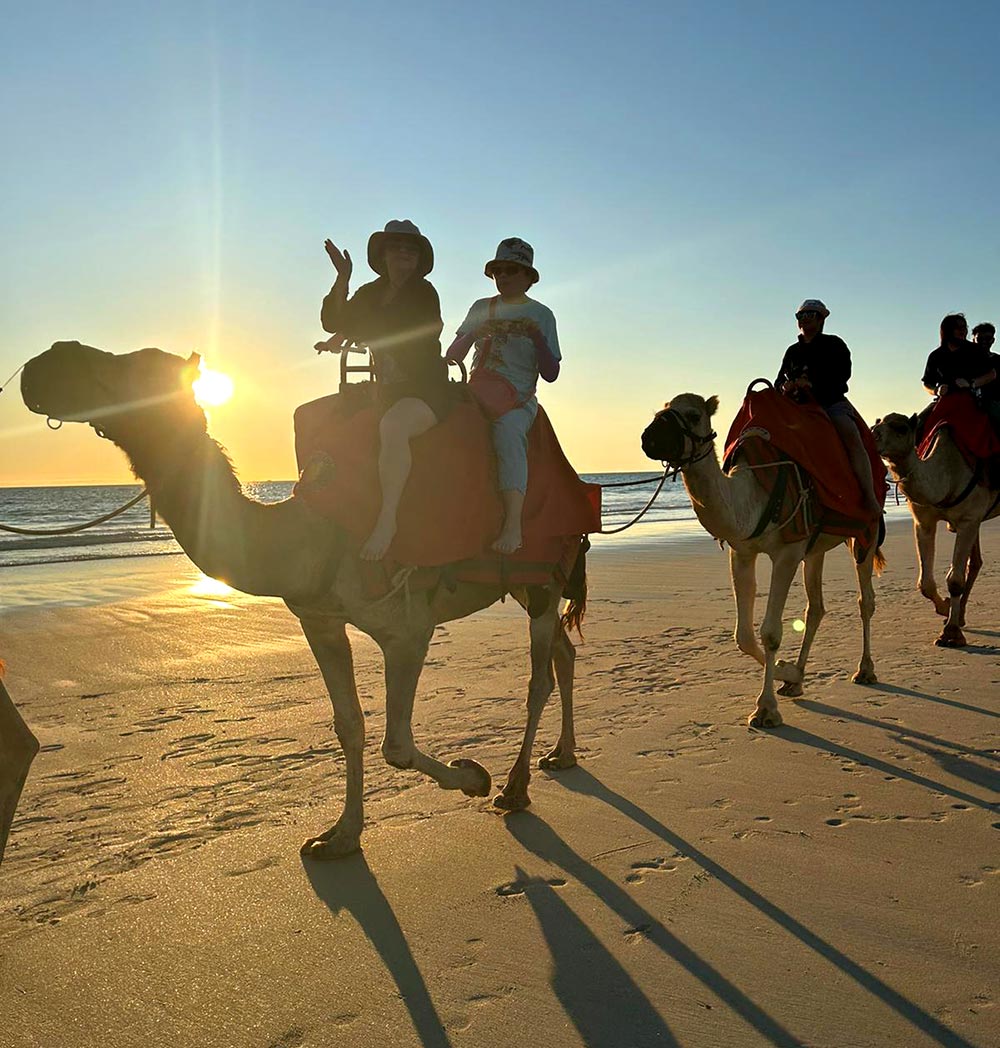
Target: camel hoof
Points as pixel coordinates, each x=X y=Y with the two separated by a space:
x=790 y=690
x=951 y=637
x=865 y=677
x=557 y=760
x=765 y=719
x=335 y=847
x=511 y=801
x=485 y=782
x=788 y=672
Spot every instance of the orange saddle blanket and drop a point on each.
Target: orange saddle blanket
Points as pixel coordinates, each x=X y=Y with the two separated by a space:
x=969 y=424
x=450 y=510
x=771 y=427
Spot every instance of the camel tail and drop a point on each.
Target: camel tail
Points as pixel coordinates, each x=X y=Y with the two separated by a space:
x=572 y=617
x=575 y=591
x=878 y=564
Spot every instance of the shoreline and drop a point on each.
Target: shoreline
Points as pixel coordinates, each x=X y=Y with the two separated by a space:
x=64 y=583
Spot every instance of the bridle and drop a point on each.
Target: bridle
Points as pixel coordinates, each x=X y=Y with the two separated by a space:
x=672 y=417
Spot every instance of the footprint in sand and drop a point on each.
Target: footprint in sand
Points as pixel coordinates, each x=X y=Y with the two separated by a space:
x=660 y=864
x=260 y=864
x=519 y=887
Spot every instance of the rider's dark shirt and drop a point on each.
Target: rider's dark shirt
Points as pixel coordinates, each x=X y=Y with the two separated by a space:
x=944 y=365
x=404 y=334
x=825 y=361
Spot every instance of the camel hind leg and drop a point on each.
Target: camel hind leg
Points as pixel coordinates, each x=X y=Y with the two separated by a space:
x=793 y=673
x=866 y=605
x=543 y=632
x=975 y=564
x=17 y=750
x=563 y=754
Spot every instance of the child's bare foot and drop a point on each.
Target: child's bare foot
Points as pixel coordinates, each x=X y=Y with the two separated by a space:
x=509 y=539
x=379 y=541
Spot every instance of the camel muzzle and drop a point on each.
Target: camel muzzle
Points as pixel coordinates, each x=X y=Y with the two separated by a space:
x=663 y=438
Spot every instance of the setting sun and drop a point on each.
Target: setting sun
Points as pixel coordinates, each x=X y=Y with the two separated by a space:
x=212 y=388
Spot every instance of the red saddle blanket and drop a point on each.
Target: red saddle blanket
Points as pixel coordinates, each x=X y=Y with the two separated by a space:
x=450 y=510
x=969 y=424
x=770 y=427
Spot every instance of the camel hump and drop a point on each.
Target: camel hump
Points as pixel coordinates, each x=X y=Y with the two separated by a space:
x=771 y=428
x=451 y=509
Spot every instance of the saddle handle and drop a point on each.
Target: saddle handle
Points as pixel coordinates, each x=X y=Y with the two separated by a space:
x=462 y=370
x=346 y=369
x=758 y=381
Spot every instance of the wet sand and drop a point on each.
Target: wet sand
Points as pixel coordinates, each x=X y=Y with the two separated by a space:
x=692 y=882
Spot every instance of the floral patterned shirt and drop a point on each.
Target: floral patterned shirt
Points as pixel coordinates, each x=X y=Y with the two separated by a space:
x=513 y=340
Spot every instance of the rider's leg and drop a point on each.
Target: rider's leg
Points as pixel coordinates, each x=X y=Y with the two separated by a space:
x=406 y=419
x=510 y=438
x=860 y=463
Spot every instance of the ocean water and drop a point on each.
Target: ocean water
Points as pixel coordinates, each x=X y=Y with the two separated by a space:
x=130 y=535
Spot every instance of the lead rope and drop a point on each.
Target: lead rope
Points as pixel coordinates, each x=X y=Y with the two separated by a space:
x=80 y=527
x=645 y=509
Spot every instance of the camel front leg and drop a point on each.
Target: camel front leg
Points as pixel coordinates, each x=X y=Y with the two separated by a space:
x=793 y=673
x=925 y=534
x=329 y=643
x=743 y=570
x=783 y=567
x=514 y=795
x=866 y=606
x=965 y=540
x=17 y=750
x=975 y=564
x=563 y=755
x=405 y=654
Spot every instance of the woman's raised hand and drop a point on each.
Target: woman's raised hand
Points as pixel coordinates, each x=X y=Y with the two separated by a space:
x=341 y=260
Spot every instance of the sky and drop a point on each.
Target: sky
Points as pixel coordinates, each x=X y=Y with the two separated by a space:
x=686 y=172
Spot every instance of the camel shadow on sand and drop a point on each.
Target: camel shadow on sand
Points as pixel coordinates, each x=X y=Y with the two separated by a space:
x=541 y=839
x=350 y=885
x=954 y=758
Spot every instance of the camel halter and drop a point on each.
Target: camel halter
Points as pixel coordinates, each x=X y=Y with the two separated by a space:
x=696 y=439
x=56 y=423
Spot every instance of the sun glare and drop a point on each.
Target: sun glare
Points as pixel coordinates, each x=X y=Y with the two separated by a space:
x=212 y=388
x=211 y=589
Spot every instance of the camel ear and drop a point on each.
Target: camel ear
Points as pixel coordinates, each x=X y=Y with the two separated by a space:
x=913 y=421
x=191 y=367
x=712 y=406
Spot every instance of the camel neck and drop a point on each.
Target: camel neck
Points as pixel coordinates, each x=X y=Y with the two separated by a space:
x=721 y=502
x=279 y=550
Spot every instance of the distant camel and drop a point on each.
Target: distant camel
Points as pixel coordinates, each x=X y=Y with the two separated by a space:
x=731 y=506
x=143 y=403
x=17 y=750
x=940 y=487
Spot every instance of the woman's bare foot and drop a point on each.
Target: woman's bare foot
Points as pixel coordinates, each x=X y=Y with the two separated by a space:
x=509 y=539
x=379 y=541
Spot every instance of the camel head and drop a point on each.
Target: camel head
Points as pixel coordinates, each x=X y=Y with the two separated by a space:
x=678 y=434
x=895 y=436
x=76 y=383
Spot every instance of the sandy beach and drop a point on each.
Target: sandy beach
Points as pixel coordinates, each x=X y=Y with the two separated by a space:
x=692 y=882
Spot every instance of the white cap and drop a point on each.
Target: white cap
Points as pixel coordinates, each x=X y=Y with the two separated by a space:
x=815 y=305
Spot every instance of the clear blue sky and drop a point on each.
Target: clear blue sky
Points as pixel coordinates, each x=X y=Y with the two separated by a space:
x=687 y=173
